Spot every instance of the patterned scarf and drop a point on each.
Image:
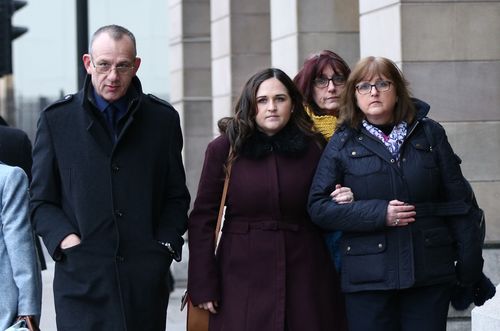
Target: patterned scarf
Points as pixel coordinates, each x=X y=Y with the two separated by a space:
x=394 y=140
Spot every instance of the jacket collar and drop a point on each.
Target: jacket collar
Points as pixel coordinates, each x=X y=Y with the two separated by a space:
x=422 y=108
x=289 y=141
x=97 y=130
x=134 y=93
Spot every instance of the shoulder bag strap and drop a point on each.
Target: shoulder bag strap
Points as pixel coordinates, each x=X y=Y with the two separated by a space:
x=222 y=203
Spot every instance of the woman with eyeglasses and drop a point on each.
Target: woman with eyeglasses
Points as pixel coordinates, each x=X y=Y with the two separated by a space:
x=321 y=81
x=407 y=237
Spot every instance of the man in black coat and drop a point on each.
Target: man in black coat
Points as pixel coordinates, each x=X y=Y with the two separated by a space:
x=108 y=195
x=15 y=150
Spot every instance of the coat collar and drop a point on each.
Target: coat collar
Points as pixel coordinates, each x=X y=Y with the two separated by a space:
x=422 y=108
x=134 y=93
x=96 y=129
x=290 y=141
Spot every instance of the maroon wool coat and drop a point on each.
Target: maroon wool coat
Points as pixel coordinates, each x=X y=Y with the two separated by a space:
x=272 y=267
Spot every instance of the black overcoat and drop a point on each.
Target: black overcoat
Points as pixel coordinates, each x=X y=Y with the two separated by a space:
x=440 y=245
x=272 y=267
x=120 y=199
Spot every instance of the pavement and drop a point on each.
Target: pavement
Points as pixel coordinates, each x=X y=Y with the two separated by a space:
x=176 y=320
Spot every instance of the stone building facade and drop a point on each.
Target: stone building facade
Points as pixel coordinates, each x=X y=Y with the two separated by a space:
x=449 y=51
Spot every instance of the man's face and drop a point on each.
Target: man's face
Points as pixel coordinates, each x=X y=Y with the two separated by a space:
x=112 y=65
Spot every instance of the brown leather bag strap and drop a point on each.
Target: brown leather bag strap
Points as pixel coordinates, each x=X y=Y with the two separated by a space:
x=222 y=202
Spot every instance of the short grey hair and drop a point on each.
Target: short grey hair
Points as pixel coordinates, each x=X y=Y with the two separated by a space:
x=116 y=32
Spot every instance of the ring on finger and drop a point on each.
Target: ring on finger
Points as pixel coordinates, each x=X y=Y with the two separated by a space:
x=396 y=222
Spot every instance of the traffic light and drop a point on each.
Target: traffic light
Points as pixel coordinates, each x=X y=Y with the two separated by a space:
x=8 y=33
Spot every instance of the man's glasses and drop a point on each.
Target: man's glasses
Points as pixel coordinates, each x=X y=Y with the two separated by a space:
x=381 y=86
x=323 y=82
x=104 y=68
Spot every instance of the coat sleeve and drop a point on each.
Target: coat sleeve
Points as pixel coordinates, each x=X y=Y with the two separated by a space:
x=173 y=221
x=465 y=229
x=363 y=215
x=19 y=241
x=48 y=218
x=203 y=275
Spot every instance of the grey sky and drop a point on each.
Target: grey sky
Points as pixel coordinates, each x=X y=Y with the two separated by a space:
x=45 y=57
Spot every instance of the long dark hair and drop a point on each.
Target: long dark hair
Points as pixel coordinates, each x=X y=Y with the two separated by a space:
x=241 y=126
x=312 y=68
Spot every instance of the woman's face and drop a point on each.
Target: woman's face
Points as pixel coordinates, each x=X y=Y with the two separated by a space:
x=327 y=96
x=274 y=106
x=377 y=99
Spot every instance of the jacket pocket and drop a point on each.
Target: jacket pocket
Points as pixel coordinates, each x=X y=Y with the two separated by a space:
x=365 y=170
x=364 y=258
x=424 y=153
x=362 y=161
x=439 y=255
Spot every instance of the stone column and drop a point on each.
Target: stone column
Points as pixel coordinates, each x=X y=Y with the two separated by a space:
x=190 y=86
x=300 y=28
x=450 y=54
x=240 y=47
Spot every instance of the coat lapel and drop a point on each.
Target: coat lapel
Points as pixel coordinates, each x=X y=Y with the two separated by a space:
x=100 y=135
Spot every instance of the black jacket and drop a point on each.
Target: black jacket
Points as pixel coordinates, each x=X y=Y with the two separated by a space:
x=120 y=199
x=377 y=257
x=15 y=148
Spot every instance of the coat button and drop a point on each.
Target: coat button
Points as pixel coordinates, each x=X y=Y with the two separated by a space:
x=353 y=153
x=380 y=245
x=404 y=159
x=392 y=160
x=348 y=248
x=115 y=167
x=118 y=213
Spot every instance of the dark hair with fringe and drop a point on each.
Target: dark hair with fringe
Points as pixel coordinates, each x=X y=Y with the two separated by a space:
x=365 y=70
x=242 y=125
x=313 y=68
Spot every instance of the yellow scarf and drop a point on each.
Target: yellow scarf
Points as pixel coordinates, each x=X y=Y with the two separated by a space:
x=325 y=124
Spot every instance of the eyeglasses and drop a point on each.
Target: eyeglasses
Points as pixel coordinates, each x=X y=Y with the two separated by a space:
x=380 y=85
x=323 y=82
x=104 y=68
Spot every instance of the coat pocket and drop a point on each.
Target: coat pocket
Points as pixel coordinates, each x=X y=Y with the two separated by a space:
x=364 y=259
x=439 y=255
x=362 y=162
x=425 y=154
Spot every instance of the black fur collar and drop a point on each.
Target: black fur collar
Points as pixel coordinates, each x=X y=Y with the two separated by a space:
x=289 y=141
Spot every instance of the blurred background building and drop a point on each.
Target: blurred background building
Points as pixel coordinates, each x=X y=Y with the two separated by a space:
x=198 y=54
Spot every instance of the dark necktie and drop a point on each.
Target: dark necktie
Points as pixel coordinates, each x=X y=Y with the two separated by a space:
x=111 y=114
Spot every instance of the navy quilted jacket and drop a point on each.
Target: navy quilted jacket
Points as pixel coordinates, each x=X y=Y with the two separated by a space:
x=442 y=244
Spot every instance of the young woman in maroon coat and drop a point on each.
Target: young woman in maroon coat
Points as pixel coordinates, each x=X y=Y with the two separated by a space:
x=272 y=270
